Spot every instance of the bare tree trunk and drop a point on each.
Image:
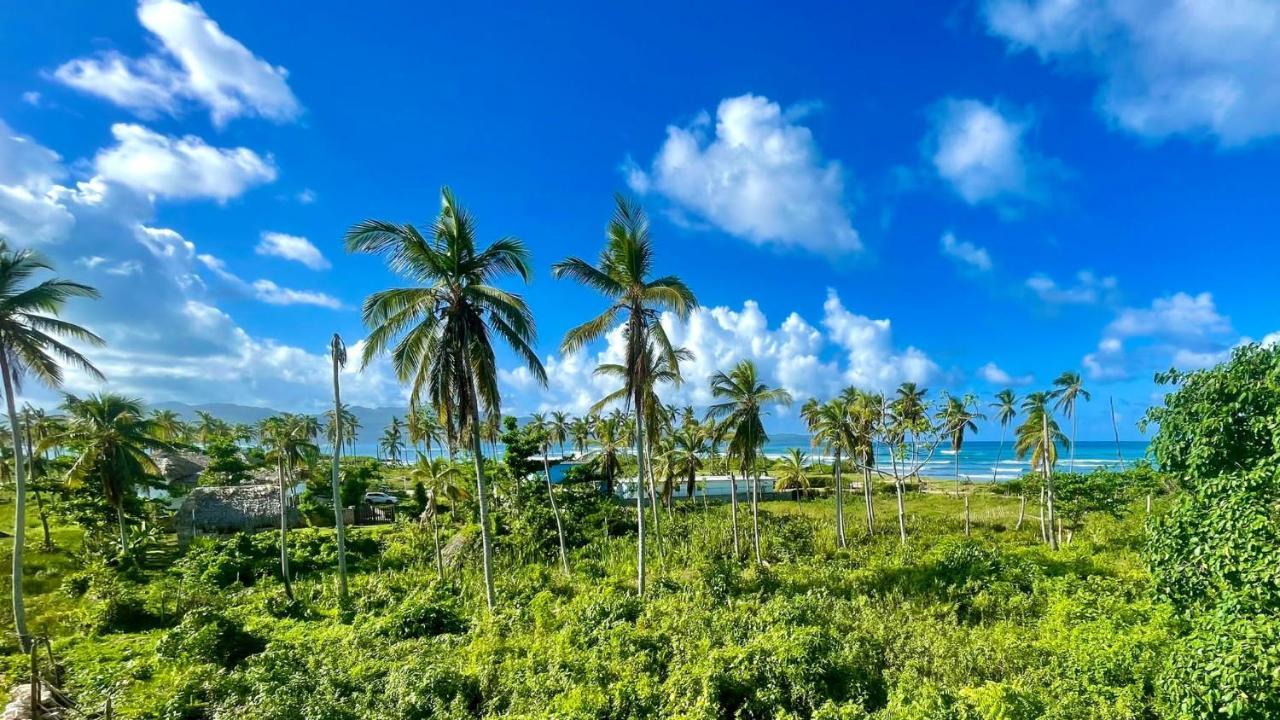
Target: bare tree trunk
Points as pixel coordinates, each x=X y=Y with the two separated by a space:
x=1048 y=476
x=653 y=506
x=44 y=521
x=755 y=512
x=1115 y=428
x=435 y=534
x=284 y=531
x=338 y=508
x=19 y=507
x=640 y=577
x=733 y=512
x=966 y=515
x=546 y=469
x=840 y=536
x=1044 y=533
x=868 y=497
x=486 y=543
x=1022 y=511
x=902 y=513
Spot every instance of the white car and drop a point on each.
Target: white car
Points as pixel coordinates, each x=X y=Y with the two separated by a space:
x=380 y=498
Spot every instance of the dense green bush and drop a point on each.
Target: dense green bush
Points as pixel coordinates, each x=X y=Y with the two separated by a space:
x=209 y=636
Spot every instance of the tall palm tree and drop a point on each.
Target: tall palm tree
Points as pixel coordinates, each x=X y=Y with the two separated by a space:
x=610 y=446
x=340 y=427
x=957 y=417
x=440 y=478
x=911 y=411
x=542 y=427
x=580 y=431
x=289 y=440
x=1040 y=436
x=110 y=438
x=168 y=425
x=792 y=472
x=423 y=428
x=209 y=427
x=338 y=358
x=622 y=275
x=558 y=429
x=688 y=447
x=439 y=332
x=743 y=399
x=722 y=433
x=32 y=343
x=829 y=429
x=1006 y=410
x=1069 y=389
x=392 y=442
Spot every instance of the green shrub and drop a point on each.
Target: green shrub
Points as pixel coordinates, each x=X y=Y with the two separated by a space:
x=211 y=637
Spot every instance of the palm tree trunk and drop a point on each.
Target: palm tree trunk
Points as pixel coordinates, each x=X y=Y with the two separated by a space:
x=124 y=539
x=435 y=533
x=338 y=508
x=755 y=512
x=869 y=501
x=1072 y=466
x=19 y=508
x=486 y=543
x=839 y=483
x=733 y=512
x=639 y=495
x=966 y=515
x=1048 y=476
x=284 y=532
x=902 y=505
x=44 y=521
x=1022 y=511
x=653 y=507
x=546 y=469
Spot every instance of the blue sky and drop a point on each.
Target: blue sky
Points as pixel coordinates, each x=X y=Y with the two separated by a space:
x=970 y=195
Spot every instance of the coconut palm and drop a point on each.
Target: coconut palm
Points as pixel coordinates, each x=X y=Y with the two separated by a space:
x=209 y=427
x=110 y=438
x=610 y=446
x=32 y=343
x=957 y=417
x=1068 y=390
x=559 y=429
x=423 y=428
x=340 y=427
x=38 y=428
x=743 y=399
x=290 y=442
x=864 y=411
x=622 y=275
x=392 y=442
x=580 y=431
x=542 y=427
x=439 y=332
x=829 y=430
x=689 y=445
x=1040 y=437
x=1006 y=409
x=440 y=478
x=792 y=473
x=168 y=425
x=338 y=358
x=722 y=433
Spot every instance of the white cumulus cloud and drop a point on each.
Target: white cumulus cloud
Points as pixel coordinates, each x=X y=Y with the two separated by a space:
x=965 y=253
x=269 y=292
x=980 y=151
x=809 y=360
x=292 y=247
x=1182 y=330
x=1088 y=288
x=185 y=167
x=997 y=375
x=1197 y=67
x=198 y=63
x=757 y=174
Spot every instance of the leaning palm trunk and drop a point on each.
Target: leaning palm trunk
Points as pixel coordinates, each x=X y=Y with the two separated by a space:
x=124 y=538
x=555 y=510
x=19 y=508
x=284 y=532
x=1022 y=511
x=902 y=505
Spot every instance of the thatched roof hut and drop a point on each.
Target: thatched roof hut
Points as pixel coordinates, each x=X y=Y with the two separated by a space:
x=222 y=510
x=180 y=468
